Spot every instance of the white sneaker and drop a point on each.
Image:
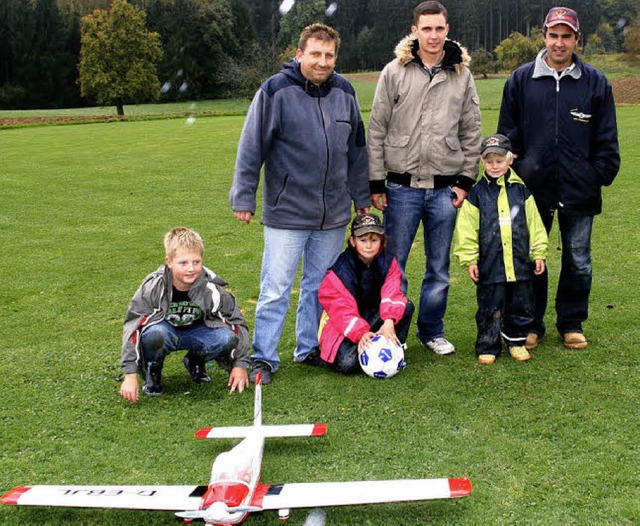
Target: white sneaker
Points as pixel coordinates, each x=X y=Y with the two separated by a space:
x=440 y=346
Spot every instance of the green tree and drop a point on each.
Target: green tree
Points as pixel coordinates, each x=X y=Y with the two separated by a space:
x=594 y=45
x=516 y=50
x=483 y=62
x=301 y=14
x=118 y=57
x=632 y=42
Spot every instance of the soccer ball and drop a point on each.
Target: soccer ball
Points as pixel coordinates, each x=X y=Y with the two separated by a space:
x=382 y=359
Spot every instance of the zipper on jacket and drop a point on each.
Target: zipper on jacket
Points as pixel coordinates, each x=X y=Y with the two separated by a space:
x=326 y=171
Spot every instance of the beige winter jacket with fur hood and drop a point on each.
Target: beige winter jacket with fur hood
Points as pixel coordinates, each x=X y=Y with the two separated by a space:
x=425 y=129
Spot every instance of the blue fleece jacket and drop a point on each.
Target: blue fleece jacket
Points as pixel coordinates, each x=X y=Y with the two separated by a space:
x=311 y=142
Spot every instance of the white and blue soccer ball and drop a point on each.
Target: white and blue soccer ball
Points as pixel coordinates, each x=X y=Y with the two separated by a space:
x=383 y=359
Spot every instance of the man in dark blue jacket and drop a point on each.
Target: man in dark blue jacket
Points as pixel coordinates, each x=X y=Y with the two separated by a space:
x=304 y=126
x=559 y=114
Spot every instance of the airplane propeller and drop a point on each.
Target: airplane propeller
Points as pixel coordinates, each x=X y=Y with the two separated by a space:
x=218 y=511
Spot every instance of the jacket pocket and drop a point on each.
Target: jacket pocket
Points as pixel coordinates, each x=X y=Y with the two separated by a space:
x=396 y=152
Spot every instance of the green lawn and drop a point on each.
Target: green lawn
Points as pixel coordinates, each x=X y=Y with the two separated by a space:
x=84 y=209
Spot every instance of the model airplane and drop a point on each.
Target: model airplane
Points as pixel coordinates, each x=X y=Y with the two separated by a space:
x=235 y=490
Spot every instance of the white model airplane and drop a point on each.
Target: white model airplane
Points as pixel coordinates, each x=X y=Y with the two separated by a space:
x=235 y=490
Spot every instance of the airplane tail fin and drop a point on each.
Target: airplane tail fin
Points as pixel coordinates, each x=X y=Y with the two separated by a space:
x=257 y=404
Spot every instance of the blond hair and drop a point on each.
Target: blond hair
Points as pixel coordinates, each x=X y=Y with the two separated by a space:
x=182 y=237
x=510 y=156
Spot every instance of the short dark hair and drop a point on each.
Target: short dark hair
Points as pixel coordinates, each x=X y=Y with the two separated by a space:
x=320 y=32
x=431 y=7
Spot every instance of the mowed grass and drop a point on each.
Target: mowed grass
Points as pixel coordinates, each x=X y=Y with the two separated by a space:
x=84 y=209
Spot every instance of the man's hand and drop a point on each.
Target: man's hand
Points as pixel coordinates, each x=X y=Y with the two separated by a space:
x=129 y=388
x=461 y=195
x=379 y=201
x=238 y=379
x=539 y=269
x=243 y=216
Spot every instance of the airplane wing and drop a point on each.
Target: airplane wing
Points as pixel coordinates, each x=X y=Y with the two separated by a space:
x=310 y=495
x=268 y=431
x=170 y=498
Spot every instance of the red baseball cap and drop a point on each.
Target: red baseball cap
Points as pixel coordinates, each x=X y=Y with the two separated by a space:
x=562 y=15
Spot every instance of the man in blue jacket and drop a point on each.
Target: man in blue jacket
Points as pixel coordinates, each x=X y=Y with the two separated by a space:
x=559 y=114
x=304 y=125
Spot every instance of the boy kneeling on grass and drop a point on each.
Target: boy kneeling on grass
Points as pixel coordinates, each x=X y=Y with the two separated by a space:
x=502 y=242
x=361 y=296
x=183 y=306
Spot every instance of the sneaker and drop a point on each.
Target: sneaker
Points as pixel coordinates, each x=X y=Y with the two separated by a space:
x=533 y=339
x=574 y=340
x=152 y=373
x=440 y=346
x=486 y=359
x=314 y=359
x=261 y=367
x=519 y=353
x=196 y=367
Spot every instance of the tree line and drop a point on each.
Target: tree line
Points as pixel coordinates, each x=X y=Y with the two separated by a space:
x=219 y=48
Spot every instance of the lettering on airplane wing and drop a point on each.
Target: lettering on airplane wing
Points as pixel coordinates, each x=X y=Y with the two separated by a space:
x=96 y=492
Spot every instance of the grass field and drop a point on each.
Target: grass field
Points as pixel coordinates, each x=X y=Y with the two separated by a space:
x=84 y=209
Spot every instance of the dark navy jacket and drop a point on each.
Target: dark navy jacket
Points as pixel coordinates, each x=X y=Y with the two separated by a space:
x=311 y=142
x=499 y=229
x=564 y=134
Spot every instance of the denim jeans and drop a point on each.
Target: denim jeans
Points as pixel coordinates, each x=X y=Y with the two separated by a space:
x=158 y=340
x=574 y=283
x=406 y=208
x=282 y=252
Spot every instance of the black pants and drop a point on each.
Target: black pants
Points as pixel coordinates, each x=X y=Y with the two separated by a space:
x=347 y=356
x=505 y=310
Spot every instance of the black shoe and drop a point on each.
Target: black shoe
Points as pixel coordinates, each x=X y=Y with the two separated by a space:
x=196 y=367
x=152 y=372
x=314 y=359
x=261 y=367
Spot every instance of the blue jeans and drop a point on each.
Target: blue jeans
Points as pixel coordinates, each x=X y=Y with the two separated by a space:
x=574 y=284
x=158 y=340
x=282 y=252
x=406 y=208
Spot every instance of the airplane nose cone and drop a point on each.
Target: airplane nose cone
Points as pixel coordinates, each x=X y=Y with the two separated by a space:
x=217 y=511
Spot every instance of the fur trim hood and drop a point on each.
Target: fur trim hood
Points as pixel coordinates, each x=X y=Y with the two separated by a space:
x=455 y=55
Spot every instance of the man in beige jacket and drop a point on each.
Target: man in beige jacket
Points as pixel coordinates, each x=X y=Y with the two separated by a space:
x=424 y=142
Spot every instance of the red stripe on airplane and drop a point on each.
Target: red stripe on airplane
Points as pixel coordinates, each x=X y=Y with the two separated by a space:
x=319 y=430
x=13 y=496
x=259 y=493
x=460 y=487
x=202 y=433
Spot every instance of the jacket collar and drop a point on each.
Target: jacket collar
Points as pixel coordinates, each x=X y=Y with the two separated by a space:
x=455 y=56
x=292 y=70
x=542 y=69
x=506 y=180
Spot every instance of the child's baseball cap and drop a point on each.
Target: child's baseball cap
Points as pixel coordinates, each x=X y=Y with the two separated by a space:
x=496 y=143
x=562 y=15
x=365 y=224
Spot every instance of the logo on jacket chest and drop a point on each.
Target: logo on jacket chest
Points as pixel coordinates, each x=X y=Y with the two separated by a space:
x=580 y=116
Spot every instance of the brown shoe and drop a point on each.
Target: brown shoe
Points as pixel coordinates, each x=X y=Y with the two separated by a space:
x=519 y=353
x=533 y=339
x=574 y=340
x=486 y=359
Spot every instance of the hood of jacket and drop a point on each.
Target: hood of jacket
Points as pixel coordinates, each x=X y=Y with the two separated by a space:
x=456 y=56
x=292 y=70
